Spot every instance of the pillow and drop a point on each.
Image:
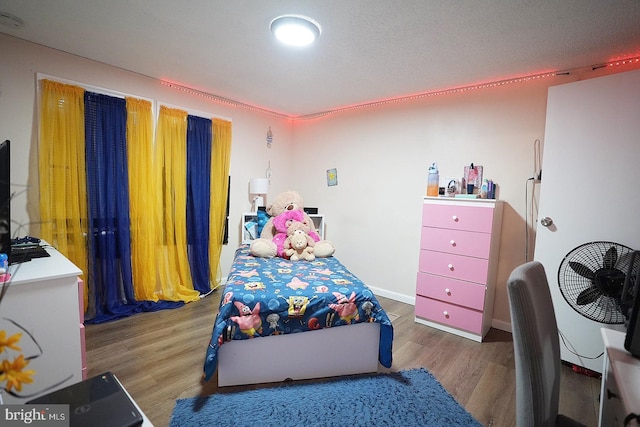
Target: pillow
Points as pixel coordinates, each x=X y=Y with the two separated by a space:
x=263 y=217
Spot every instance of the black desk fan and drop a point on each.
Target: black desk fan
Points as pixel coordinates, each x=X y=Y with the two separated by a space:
x=591 y=278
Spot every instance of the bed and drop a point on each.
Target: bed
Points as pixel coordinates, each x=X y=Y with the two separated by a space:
x=288 y=320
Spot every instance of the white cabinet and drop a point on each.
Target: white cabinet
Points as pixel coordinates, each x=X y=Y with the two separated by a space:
x=620 y=387
x=42 y=297
x=249 y=226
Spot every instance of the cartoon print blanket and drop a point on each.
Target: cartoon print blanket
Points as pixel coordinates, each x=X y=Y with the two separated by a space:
x=273 y=296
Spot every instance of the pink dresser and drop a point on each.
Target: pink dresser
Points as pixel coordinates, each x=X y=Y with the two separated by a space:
x=459 y=247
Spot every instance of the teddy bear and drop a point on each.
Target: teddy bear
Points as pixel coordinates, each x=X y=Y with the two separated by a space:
x=264 y=247
x=299 y=245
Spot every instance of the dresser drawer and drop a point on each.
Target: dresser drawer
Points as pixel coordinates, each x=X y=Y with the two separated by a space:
x=449 y=314
x=468 y=218
x=454 y=266
x=471 y=243
x=449 y=290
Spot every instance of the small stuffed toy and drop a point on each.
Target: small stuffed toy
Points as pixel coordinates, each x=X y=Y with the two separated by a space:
x=299 y=245
x=264 y=247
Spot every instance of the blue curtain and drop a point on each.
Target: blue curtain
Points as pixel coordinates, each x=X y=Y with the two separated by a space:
x=111 y=294
x=199 y=138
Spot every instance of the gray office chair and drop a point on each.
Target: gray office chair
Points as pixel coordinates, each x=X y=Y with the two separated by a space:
x=536 y=347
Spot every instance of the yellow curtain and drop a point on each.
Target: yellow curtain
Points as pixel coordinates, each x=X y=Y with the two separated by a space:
x=220 y=159
x=144 y=195
x=171 y=170
x=157 y=186
x=61 y=165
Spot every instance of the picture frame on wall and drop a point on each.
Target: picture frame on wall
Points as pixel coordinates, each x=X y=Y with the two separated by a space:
x=332 y=177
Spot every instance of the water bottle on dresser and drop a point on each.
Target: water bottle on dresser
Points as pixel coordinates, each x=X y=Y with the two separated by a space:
x=433 y=181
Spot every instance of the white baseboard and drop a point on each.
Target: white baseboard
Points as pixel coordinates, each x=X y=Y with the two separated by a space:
x=411 y=300
x=501 y=324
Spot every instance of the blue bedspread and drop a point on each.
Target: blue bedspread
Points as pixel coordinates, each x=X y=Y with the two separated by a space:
x=273 y=296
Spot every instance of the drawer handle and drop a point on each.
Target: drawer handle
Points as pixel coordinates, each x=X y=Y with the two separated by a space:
x=455 y=218
x=453 y=242
x=446 y=314
x=450 y=267
x=447 y=291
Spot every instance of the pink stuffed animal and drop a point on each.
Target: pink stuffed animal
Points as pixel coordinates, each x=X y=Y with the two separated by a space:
x=281 y=223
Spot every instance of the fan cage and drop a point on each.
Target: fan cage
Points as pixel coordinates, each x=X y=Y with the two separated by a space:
x=605 y=309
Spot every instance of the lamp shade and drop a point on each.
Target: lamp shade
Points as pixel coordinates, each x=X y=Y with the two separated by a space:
x=259 y=186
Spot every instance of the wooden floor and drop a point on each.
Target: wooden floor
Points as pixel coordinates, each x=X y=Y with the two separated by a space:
x=159 y=358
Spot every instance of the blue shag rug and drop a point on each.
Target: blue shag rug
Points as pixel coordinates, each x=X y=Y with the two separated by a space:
x=407 y=398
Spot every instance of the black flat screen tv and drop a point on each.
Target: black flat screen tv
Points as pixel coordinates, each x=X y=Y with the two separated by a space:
x=5 y=198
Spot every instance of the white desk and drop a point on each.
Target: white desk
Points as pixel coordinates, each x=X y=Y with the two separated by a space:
x=43 y=298
x=620 y=389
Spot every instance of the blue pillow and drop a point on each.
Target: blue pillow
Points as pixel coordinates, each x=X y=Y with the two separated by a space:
x=263 y=217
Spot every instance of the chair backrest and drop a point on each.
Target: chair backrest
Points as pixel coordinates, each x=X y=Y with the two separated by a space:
x=536 y=346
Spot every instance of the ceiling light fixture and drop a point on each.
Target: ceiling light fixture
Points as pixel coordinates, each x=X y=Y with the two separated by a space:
x=295 y=30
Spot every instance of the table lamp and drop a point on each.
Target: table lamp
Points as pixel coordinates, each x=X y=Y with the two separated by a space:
x=258 y=187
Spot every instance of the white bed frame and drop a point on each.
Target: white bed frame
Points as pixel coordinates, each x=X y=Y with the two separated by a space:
x=341 y=350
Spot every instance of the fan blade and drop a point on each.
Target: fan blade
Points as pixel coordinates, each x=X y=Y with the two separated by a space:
x=582 y=270
x=610 y=258
x=588 y=296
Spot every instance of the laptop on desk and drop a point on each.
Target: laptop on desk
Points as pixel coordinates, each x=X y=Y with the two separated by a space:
x=97 y=402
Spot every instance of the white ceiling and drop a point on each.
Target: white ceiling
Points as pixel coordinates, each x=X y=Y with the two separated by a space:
x=369 y=50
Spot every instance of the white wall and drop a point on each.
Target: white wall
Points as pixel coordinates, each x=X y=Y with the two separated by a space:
x=381 y=154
